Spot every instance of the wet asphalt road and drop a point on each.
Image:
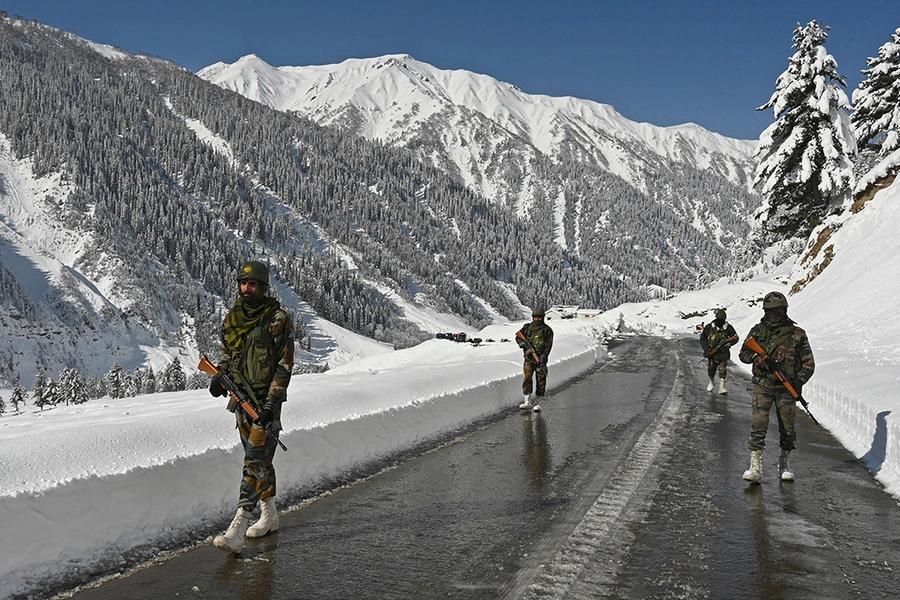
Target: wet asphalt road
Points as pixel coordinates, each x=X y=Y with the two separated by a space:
x=626 y=486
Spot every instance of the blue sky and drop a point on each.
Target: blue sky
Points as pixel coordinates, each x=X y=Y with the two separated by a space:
x=663 y=62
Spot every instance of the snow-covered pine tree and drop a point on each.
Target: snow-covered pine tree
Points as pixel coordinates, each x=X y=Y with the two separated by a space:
x=197 y=381
x=37 y=390
x=131 y=384
x=72 y=386
x=18 y=397
x=149 y=382
x=51 y=394
x=114 y=381
x=174 y=379
x=805 y=167
x=79 y=389
x=2 y=406
x=64 y=387
x=876 y=102
x=96 y=388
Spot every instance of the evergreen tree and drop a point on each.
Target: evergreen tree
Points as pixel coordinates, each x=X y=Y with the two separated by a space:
x=37 y=390
x=149 y=382
x=18 y=397
x=96 y=388
x=804 y=156
x=876 y=102
x=197 y=381
x=2 y=406
x=115 y=381
x=174 y=379
x=72 y=386
x=131 y=383
x=51 y=393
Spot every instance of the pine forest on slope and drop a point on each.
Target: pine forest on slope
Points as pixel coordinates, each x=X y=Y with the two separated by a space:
x=173 y=182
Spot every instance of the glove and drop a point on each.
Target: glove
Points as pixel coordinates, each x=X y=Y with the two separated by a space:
x=267 y=414
x=216 y=388
x=760 y=364
x=543 y=361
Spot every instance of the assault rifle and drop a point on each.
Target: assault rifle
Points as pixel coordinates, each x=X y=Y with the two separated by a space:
x=237 y=395
x=780 y=374
x=715 y=349
x=523 y=341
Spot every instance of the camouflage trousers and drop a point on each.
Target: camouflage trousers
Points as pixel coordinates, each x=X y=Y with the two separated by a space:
x=533 y=369
x=765 y=395
x=712 y=367
x=259 y=474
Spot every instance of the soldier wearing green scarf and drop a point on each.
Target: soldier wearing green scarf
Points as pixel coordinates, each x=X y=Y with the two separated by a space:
x=257 y=342
x=788 y=345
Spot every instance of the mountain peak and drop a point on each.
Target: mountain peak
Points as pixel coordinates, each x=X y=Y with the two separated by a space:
x=395 y=94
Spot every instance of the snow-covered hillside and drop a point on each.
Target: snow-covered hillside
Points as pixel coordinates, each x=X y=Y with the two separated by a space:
x=53 y=316
x=464 y=115
x=132 y=449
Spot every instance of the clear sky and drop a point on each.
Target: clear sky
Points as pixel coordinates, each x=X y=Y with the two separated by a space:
x=666 y=62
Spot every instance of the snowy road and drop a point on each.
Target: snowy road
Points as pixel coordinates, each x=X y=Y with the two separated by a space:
x=626 y=486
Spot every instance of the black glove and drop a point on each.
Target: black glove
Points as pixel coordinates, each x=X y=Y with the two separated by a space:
x=267 y=414
x=543 y=361
x=761 y=365
x=216 y=388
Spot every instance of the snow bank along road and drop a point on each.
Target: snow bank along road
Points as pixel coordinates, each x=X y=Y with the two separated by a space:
x=99 y=516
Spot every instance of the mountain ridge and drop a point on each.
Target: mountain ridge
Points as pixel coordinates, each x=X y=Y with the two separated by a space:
x=384 y=88
x=176 y=181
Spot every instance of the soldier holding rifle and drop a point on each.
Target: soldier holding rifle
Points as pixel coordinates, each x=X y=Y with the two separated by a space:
x=782 y=362
x=257 y=341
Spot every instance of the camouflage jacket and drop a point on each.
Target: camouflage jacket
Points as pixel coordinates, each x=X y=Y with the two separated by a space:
x=541 y=337
x=261 y=362
x=712 y=335
x=788 y=345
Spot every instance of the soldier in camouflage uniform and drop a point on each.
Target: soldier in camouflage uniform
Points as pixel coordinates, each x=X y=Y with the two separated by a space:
x=541 y=337
x=257 y=342
x=716 y=332
x=788 y=345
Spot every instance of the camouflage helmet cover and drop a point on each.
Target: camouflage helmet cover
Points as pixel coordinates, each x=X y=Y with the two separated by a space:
x=774 y=300
x=720 y=314
x=253 y=269
x=537 y=312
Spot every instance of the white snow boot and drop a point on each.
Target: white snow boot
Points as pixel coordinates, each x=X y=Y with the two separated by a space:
x=234 y=539
x=526 y=405
x=754 y=473
x=784 y=467
x=722 y=389
x=268 y=520
x=712 y=385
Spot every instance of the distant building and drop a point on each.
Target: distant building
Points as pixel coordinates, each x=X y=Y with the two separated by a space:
x=561 y=312
x=588 y=313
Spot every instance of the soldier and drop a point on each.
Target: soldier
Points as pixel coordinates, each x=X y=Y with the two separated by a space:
x=540 y=335
x=788 y=345
x=718 y=332
x=257 y=341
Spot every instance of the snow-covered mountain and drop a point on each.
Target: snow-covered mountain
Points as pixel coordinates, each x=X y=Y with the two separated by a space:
x=478 y=126
x=131 y=190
